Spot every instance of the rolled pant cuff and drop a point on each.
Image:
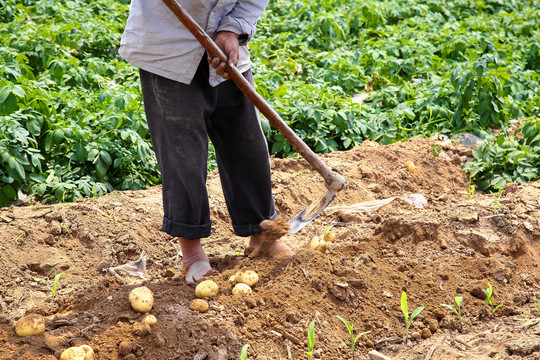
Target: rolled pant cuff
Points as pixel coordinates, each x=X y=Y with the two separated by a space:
x=191 y=232
x=248 y=230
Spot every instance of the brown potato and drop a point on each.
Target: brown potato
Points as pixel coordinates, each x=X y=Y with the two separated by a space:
x=317 y=244
x=329 y=237
x=141 y=299
x=83 y=352
x=199 y=305
x=241 y=289
x=32 y=324
x=206 y=289
x=150 y=319
x=410 y=167
x=248 y=277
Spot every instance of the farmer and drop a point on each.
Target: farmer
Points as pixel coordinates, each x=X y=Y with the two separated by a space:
x=186 y=102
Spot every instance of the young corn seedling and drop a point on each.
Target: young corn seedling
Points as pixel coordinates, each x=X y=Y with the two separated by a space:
x=311 y=340
x=405 y=310
x=350 y=328
x=243 y=353
x=537 y=302
x=55 y=284
x=490 y=300
x=457 y=309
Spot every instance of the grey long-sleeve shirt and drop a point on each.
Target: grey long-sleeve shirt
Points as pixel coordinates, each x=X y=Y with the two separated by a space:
x=156 y=41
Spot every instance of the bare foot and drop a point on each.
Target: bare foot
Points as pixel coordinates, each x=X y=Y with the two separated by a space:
x=261 y=244
x=195 y=260
x=197 y=270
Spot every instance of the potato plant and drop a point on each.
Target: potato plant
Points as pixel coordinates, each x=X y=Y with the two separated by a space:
x=72 y=123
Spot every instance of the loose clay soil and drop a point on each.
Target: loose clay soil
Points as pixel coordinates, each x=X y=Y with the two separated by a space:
x=453 y=246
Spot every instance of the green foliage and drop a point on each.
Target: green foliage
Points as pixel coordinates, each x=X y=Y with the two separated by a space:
x=72 y=122
x=456 y=309
x=311 y=340
x=350 y=329
x=504 y=159
x=68 y=129
x=405 y=310
x=428 y=67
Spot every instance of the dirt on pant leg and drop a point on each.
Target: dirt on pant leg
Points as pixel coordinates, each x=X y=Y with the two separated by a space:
x=273 y=230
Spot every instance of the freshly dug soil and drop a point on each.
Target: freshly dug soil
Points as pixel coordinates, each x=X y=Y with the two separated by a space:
x=453 y=246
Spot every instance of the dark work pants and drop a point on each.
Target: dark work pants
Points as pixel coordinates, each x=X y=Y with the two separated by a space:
x=181 y=118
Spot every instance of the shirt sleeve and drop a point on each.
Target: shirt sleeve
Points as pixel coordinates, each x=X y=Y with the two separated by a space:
x=243 y=18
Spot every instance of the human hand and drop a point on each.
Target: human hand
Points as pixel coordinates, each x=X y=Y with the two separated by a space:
x=228 y=42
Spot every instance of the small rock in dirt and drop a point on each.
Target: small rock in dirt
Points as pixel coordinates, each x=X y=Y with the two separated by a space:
x=359 y=284
x=528 y=226
x=443 y=244
x=523 y=347
x=499 y=274
x=201 y=356
x=444 y=276
x=478 y=292
x=510 y=188
x=387 y=294
x=141 y=329
x=468 y=218
x=382 y=343
x=362 y=259
x=456 y=160
x=160 y=341
x=338 y=292
x=426 y=333
x=251 y=303
x=433 y=325
x=375 y=355
x=416 y=335
x=49 y=239
x=169 y=272
x=448 y=322
x=55 y=228
x=126 y=347
x=292 y=317
x=401 y=253
x=218 y=354
x=317 y=353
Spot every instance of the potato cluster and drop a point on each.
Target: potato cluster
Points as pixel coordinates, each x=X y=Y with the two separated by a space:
x=321 y=244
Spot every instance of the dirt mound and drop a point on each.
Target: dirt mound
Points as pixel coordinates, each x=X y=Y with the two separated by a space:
x=452 y=247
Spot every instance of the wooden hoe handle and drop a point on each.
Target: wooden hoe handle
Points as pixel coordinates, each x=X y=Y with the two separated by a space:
x=334 y=181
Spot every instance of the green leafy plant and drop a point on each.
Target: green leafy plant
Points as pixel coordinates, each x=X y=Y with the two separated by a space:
x=405 y=310
x=311 y=340
x=490 y=300
x=72 y=122
x=354 y=339
x=243 y=353
x=456 y=309
x=55 y=285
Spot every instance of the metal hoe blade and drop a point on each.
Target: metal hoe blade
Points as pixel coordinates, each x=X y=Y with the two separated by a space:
x=311 y=212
